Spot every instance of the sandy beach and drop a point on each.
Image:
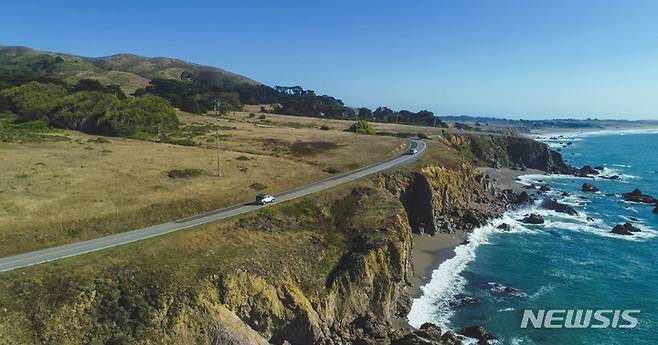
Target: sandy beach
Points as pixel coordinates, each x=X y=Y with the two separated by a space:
x=430 y=251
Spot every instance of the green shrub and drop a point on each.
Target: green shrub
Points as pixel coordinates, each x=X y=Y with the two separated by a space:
x=363 y=127
x=32 y=101
x=147 y=114
x=242 y=158
x=252 y=115
x=423 y=136
x=184 y=173
x=99 y=112
x=325 y=127
x=82 y=110
x=99 y=140
x=262 y=117
x=34 y=126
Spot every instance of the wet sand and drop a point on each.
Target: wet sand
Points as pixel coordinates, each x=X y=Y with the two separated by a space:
x=430 y=251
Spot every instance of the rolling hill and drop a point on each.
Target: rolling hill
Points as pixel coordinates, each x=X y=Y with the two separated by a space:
x=129 y=71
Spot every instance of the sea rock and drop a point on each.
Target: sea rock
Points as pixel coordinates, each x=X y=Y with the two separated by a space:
x=589 y=188
x=523 y=198
x=480 y=333
x=433 y=331
x=631 y=228
x=450 y=338
x=428 y=334
x=599 y=168
x=625 y=229
x=552 y=204
x=462 y=301
x=613 y=177
x=505 y=227
x=502 y=289
x=533 y=219
x=565 y=194
x=545 y=188
x=655 y=210
x=637 y=196
x=586 y=171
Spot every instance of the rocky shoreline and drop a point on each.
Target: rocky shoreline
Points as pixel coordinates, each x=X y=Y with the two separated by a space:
x=429 y=252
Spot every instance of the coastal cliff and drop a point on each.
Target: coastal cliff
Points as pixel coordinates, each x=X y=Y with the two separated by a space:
x=347 y=281
x=509 y=151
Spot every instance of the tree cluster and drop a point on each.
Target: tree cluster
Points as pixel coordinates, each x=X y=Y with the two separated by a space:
x=192 y=96
x=97 y=112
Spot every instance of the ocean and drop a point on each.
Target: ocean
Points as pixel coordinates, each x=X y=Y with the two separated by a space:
x=567 y=263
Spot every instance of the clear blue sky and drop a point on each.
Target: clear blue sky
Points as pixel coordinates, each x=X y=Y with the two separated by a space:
x=531 y=59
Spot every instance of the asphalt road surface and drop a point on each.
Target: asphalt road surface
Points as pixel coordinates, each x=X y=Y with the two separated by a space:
x=74 y=249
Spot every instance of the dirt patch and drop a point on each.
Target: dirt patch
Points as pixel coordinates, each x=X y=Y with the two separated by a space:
x=307 y=148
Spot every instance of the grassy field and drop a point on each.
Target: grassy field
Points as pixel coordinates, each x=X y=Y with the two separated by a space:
x=86 y=187
x=304 y=239
x=307 y=243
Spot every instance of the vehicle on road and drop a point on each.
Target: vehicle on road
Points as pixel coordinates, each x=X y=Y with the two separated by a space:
x=412 y=152
x=262 y=199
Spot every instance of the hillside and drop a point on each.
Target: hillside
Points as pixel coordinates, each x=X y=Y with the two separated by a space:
x=129 y=71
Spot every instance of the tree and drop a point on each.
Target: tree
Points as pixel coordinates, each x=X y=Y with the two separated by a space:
x=146 y=114
x=83 y=111
x=33 y=101
x=383 y=114
x=365 y=113
x=230 y=101
x=95 y=85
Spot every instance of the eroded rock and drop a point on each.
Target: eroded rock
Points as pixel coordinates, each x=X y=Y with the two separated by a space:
x=587 y=187
x=533 y=219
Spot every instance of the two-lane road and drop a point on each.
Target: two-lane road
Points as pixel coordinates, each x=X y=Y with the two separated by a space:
x=78 y=248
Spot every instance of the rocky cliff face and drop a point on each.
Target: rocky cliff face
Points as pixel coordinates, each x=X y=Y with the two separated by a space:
x=438 y=199
x=363 y=293
x=507 y=151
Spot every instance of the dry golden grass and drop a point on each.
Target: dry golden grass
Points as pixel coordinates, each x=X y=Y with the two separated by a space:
x=59 y=192
x=382 y=128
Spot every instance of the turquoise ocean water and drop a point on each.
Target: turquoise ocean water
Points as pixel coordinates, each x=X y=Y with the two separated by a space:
x=570 y=262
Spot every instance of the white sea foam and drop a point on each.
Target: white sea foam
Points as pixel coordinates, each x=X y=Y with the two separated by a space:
x=434 y=305
x=581 y=134
x=541 y=291
x=447 y=282
x=505 y=309
x=517 y=341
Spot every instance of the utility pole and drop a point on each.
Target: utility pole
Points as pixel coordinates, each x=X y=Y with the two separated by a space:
x=219 y=171
x=218 y=106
